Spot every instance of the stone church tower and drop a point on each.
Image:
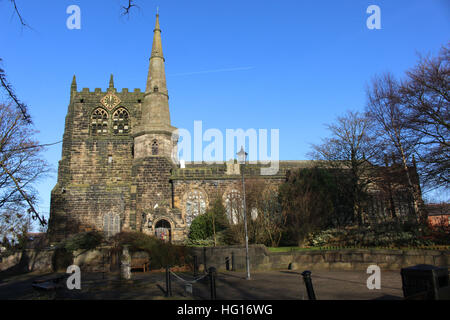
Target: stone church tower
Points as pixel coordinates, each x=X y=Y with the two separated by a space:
x=117 y=159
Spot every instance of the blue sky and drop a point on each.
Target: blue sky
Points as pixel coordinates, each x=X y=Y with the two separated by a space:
x=293 y=65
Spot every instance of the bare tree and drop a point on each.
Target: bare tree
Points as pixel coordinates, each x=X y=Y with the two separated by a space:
x=10 y=94
x=13 y=224
x=20 y=165
x=426 y=97
x=126 y=8
x=350 y=148
x=386 y=108
x=265 y=218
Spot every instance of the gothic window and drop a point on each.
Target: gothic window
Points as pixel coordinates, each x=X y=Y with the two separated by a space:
x=121 y=121
x=234 y=206
x=99 y=122
x=111 y=224
x=155 y=147
x=195 y=205
x=254 y=214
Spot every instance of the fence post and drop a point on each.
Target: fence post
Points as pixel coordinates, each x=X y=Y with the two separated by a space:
x=204 y=260
x=227 y=263
x=168 y=283
x=233 y=266
x=212 y=282
x=308 y=283
x=195 y=266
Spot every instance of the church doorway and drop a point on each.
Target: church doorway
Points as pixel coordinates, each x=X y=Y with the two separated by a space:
x=163 y=230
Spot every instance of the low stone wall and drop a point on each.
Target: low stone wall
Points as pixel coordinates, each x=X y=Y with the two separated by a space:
x=28 y=260
x=342 y=259
x=98 y=260
x=261 y=259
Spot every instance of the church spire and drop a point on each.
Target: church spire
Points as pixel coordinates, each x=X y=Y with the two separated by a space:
x=157 y=44
x=155 y=108
x=154 y=136
x=156 y=73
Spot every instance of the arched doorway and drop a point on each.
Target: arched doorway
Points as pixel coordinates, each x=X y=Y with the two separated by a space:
x=163 y=230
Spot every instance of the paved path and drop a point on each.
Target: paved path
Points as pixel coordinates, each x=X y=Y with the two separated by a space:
x=288 y=285
x=271 y=285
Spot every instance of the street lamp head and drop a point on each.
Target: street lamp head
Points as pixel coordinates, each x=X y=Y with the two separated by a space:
x=242 y=156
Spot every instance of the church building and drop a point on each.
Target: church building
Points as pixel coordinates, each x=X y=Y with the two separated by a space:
x=117 y=171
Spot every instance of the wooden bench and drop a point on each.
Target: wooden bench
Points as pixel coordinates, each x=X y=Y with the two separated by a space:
x=140 y=264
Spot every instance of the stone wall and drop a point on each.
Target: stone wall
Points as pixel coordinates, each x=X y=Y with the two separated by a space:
x=28 y=260
x=33 y=260
x=261 y=259
x=343 y=259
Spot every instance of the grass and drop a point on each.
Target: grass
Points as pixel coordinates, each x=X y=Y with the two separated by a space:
x=290 y=249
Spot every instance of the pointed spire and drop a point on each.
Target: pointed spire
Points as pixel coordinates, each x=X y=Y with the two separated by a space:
x=156 y=79
x=155 y=120
x=157 y=44
x=111 y=82
x=156 y=102
x=73 y=87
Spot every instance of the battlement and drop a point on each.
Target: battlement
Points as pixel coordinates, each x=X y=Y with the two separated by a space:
x=99 y=90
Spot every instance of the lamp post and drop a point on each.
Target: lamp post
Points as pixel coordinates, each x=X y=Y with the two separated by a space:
x=242 y=157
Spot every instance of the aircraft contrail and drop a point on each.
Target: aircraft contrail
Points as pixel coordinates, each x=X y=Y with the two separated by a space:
x=210 y=71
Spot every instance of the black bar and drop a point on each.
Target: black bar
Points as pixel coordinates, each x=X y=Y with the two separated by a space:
x=227 y=263
x=204 y=260
x=233 y=266
x=195 y=266
x=212 y=282
x=308 y=283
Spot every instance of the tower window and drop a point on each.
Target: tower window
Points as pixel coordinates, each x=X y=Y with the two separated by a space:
x=155 y=89
x=155 y=147
x=121 y=121
x=99 y=122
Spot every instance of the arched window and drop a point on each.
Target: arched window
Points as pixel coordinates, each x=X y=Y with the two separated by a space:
x=195 y=205
x=111 y=224
x=99 y=122
x=254 y=213
x=234 y=206
x=155 y=147
x=121 y=121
